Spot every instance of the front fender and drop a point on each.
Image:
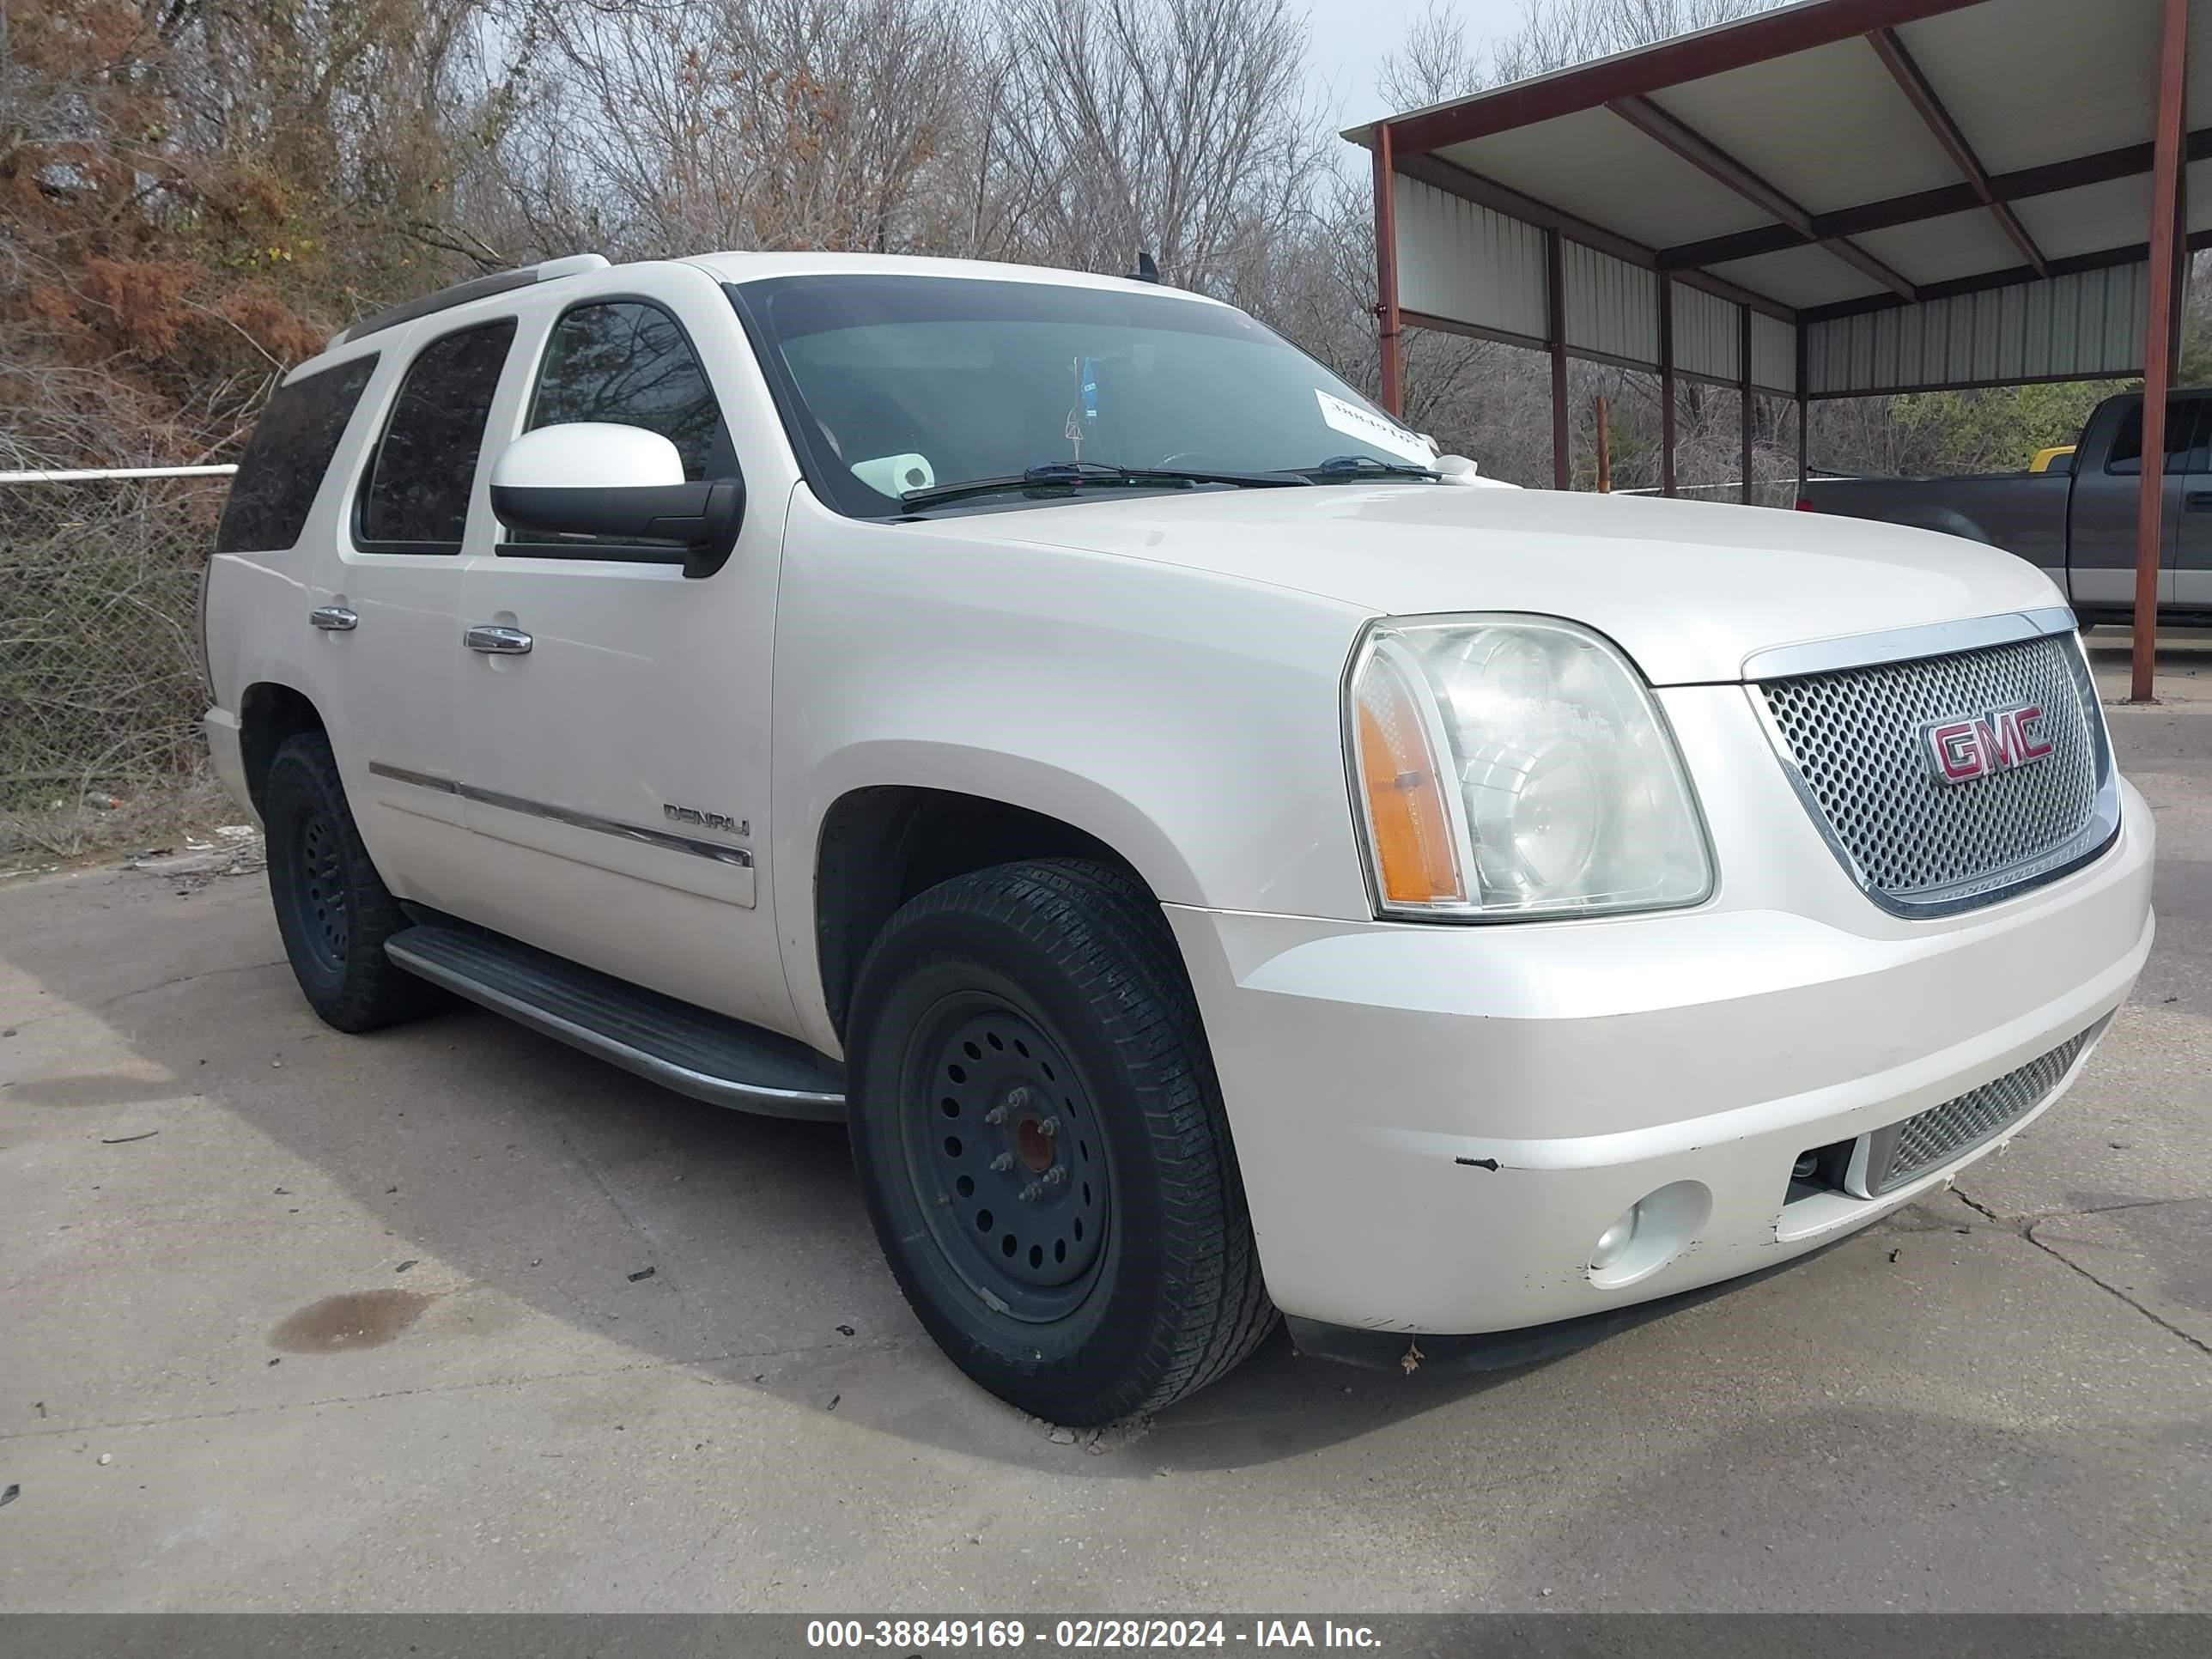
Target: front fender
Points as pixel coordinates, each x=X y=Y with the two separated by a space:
x=1190 y=720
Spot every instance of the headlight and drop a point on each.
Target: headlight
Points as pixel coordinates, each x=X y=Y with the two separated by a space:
x=1516 y=766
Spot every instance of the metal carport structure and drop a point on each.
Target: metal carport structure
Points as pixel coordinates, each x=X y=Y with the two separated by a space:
x=1836 y=199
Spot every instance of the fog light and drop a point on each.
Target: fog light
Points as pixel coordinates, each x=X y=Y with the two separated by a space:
x=1658 y=1227
x=1614 y=1241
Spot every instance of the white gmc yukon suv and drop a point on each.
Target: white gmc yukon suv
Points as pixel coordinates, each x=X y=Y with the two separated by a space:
x=1217 y=855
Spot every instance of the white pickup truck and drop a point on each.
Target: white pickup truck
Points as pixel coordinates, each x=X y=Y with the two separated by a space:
x=1218 y=855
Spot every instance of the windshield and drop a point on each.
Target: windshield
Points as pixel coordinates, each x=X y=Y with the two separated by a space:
x=900 y=385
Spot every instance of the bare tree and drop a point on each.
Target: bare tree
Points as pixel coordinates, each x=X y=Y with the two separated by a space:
x=1438 y=60
x=1179 y=127
x=666 y=125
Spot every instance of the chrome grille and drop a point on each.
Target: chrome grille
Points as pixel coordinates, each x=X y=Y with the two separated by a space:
x=1905 y=1151
x=1857 y=737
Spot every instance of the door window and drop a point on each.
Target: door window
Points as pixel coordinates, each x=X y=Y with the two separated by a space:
x=630 y=363
x=417 y=496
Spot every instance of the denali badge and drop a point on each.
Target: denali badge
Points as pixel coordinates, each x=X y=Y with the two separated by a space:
x=1975 y=745
x=721 y=821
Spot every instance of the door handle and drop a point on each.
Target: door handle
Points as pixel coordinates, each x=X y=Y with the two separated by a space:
x=334 y=619
x=2197 y=500
x=495 y=641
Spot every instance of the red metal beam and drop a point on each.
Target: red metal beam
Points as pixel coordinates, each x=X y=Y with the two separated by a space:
x=1386 y=277
x=2159 y=338
x=1633 y=74
x=2025 y=185
x=1666 y=384
x=1555 y=305
x=1716 y=164
x=1937 y=120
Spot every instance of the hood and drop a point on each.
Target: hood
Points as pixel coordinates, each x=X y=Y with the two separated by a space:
x=1688 y=589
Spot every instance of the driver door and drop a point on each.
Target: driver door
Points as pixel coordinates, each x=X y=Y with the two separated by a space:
x=614 y=714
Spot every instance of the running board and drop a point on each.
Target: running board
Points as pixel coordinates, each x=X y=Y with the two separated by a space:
x=708 y=1056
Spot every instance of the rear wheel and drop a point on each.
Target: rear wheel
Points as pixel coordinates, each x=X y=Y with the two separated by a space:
x=333 y=910
x=1043 y=1147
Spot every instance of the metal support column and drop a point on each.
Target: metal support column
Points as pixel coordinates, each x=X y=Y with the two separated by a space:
x=1386 y=275
x=1556 y=307
x=2159 y=339
x=1743 y=369
x=1666 y=384
x=1804 y=406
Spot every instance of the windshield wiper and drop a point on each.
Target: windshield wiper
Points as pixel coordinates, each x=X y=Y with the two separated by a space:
x=1078 y=475
x=1343 y=468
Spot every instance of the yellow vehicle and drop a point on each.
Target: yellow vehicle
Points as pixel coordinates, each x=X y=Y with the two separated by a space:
x=2058 y=457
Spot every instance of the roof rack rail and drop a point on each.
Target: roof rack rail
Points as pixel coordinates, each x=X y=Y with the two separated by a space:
x=476 y=289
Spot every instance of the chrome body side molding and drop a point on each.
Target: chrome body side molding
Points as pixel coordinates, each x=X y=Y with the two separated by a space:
x=540 y=809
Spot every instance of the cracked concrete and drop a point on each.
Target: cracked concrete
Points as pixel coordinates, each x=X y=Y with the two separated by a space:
x=2000 y=1399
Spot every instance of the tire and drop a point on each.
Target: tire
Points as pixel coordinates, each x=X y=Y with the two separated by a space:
x=1085 y=1254
x=333 y=910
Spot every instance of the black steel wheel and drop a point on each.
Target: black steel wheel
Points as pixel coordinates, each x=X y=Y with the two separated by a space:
x=320 y=890
x=1002 y=1139
x=1042 y=1145
x=333 y=910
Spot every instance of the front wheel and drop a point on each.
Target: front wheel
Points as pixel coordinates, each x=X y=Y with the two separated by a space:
x=1042 y=1147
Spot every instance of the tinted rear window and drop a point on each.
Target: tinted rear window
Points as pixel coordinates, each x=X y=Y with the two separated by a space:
x=284 y=462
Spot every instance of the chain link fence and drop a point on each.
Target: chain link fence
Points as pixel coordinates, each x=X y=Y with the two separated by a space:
x=101 y=683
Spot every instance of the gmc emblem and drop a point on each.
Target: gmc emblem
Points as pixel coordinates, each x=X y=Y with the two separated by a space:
x=1976 y=746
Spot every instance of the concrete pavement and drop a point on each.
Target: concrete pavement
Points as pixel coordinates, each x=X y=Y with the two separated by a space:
x=303 y=1322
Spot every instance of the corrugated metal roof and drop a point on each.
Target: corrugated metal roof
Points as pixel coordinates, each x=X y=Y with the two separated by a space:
x=1708 y=334
x=1579 y=163
x=1813 y=119
x=2077 y=327
x=1773 y=354
x=1890 y=175
x=1612 y=306
x=1463 y=263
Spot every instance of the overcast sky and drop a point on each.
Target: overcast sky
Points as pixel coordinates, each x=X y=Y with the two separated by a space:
x=1351 y=36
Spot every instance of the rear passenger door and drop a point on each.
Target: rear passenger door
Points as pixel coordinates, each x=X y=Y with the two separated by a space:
x=395 y=597
x=617 y=765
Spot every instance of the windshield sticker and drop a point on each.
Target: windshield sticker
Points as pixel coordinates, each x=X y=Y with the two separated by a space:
x=1372 y=428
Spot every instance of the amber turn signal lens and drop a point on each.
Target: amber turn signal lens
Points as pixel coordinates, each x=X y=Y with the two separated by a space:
x=1415 y=861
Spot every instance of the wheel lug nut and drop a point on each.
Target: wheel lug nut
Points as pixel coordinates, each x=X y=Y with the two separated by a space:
x=1004 y=1162
x=1056 y=1175
x=995 y=1116
x=1033 y=1192
x=1050 y=1127
x=1018 y=1098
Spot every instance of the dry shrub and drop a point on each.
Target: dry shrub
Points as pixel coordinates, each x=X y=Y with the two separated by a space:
x=100 y=683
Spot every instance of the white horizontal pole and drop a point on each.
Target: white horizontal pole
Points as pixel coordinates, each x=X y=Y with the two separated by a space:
x=85 y=475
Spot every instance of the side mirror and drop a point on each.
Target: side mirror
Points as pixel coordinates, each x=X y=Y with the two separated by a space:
x=596 y=479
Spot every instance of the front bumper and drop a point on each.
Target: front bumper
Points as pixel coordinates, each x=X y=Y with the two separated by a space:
x=1435 y=1124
